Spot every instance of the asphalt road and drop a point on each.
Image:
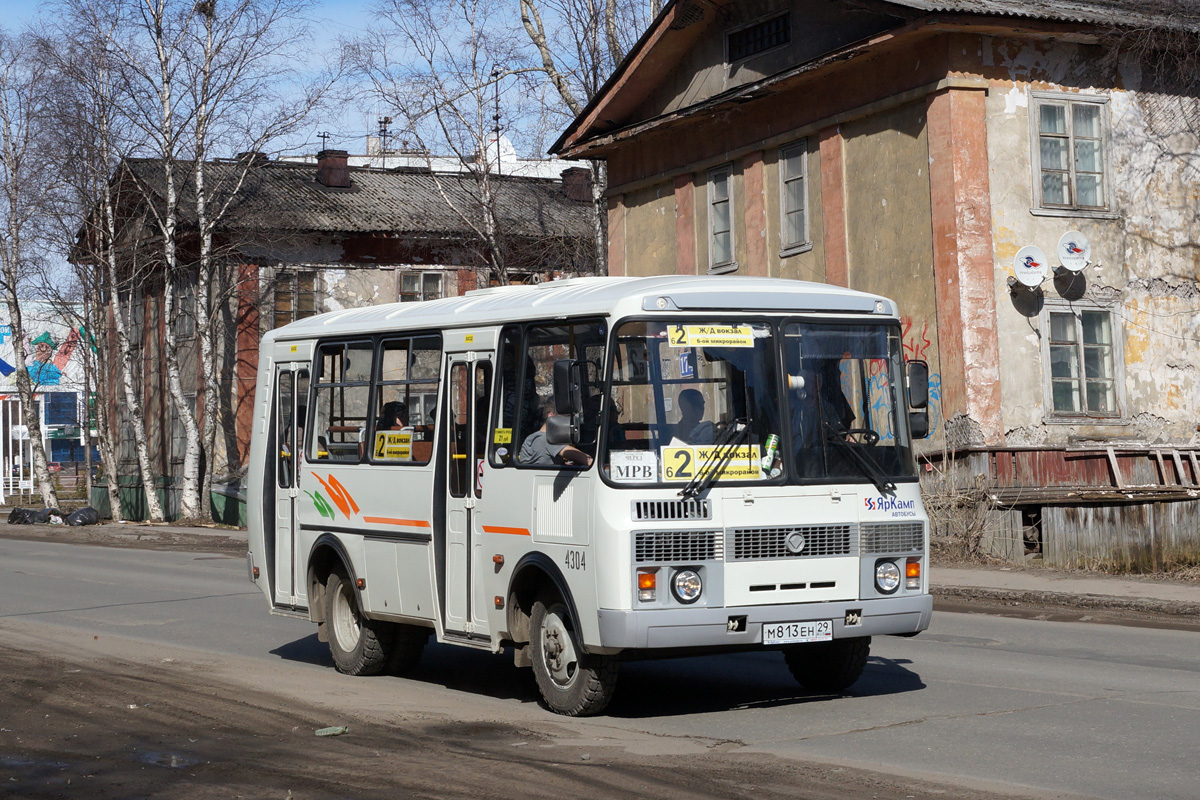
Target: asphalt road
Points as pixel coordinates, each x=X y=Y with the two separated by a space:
x=1025 y=706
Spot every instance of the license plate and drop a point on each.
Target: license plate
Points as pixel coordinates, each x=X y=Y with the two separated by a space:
x=797 y=632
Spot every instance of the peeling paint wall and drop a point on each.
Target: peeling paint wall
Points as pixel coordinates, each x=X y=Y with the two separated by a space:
x=888 y=228
x=1145 y=251
x=650 y=231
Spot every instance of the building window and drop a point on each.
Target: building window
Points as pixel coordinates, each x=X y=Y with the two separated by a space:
x=1083 y=363
x=417 y=286
x=759 y=37
x=720 y=221
x=185 y=311
x=1069 y=154
x=295 y=295
x=793 y=200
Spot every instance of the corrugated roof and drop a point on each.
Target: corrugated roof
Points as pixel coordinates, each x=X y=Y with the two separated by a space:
x=1168 y=14
x=282 y=197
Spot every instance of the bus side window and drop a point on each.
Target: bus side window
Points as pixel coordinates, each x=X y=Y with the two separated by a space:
x=405 y=400
x=343 y=389
x=545 y=343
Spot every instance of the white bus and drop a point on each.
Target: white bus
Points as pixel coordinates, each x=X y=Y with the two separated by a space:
x=593 y=470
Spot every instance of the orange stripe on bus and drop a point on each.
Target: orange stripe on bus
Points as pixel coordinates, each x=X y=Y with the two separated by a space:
x=513 y=531
x=414 y=523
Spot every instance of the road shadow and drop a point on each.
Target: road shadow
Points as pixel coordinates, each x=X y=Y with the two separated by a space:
x=645 y=689
x=679 y=687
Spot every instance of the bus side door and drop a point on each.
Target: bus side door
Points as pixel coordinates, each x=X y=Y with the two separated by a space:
x=468 y=397
x=291 y=397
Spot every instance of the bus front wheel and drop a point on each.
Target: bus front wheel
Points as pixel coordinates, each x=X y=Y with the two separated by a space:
x=571 y=681
x=829 y=666
x=359 y=646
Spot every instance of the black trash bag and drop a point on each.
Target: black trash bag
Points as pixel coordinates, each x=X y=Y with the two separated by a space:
x=44 y=515
x=84 y=516
x=20 y=516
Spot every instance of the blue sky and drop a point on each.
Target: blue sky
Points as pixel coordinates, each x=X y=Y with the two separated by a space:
x=330 y=20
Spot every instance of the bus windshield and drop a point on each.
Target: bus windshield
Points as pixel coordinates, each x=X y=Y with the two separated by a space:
x=699 y=401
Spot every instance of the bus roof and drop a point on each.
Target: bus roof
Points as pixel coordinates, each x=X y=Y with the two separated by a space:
x=594 y=296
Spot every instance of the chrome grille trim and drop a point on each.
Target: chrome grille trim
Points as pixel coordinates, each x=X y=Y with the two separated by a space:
x=892 y=537
x=652 y=547
x=671 y=510
x=763 y=544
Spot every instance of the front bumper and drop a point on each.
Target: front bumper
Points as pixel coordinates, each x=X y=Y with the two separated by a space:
x=710 y=627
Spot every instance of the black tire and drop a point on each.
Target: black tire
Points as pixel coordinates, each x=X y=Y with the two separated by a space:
x=829 y=666
x=408 y=642
x=359 y=646
x=572 y=682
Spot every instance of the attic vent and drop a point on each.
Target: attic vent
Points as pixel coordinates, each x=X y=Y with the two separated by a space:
x=759 y=37
x=686 y=14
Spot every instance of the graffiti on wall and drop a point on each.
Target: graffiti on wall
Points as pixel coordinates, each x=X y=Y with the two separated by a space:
x=916 y=346
x=52 y=354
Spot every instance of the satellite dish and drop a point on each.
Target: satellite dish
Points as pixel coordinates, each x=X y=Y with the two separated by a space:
x=1074 y=251
x=1029 y=266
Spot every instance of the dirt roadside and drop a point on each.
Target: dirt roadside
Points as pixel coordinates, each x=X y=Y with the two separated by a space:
x=99 y=726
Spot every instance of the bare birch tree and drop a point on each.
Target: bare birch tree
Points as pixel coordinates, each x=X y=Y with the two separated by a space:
x=436 y=64
x=93 y=135
x=579 y=43
x=240 y=52
x=25 y=185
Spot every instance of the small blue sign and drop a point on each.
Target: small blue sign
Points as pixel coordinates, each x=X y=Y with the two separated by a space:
x=685 y=365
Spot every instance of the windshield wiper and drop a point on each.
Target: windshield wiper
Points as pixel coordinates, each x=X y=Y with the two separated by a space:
x=869 y=468
x=726 y=445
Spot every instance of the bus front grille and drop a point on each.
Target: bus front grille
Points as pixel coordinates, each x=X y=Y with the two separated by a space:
x=893 y=537
x=677 y=546
x=801 y=541
x=671 y=510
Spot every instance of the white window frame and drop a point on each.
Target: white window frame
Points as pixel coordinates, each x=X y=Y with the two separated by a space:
x=1116 y=416
x=441 y=291
x=787 y=248
x=1073 y=209
x=714 y=266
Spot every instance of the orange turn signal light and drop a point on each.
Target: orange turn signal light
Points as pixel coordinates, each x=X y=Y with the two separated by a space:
x=647 y=581
x=361 y=583
x=912 y=574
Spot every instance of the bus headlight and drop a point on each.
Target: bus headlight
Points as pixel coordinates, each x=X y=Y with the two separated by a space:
x=887 y=576
x=687 y=586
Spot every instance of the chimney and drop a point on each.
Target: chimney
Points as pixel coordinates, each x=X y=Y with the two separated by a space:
x=332 y=170
x=577 y=184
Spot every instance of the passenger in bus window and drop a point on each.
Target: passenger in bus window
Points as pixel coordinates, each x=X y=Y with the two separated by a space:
x=393 y=417
x=692 y=428
x=537 y=452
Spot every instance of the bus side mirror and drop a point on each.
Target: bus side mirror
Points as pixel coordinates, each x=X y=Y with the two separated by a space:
x=918 y=384
x=562 y=430
x=568 y=382
x=918 y=399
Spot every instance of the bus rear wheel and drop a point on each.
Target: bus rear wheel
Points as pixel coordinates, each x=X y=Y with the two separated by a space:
x=572 y=682
x=829 y=666
x=359 y=646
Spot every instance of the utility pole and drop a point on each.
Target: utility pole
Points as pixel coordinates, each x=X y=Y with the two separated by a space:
x=496 y=116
